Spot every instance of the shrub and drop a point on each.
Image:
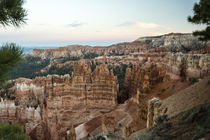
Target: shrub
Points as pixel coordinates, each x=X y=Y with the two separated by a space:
x=161 y=119
x=16 y=102
x=5 y=89
x=208 y=82
x=90 y=55
x=193 y=80
x=163 y=90
x=12 y=132
x=36 y=104
x=172 y=90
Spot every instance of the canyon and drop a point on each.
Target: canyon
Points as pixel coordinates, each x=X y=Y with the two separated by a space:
x=111 y=91
x=62 y=101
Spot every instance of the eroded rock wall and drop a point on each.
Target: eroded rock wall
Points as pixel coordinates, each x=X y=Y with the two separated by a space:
x=63 y=102
x=181 y=65
x=29 y=118
x=175 y=42
x=81 y=51
x=142 y=78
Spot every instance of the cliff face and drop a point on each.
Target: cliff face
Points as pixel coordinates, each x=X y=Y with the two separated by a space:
x=175 y=42
x=30 y=118
x=82 y=51
x=66 y=101
x=75 y=51
x=142 y=79
x=187 y=65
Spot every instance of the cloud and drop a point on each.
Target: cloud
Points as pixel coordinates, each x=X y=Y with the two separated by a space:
x=144 y=25
x=76 y=24
x=127 y=24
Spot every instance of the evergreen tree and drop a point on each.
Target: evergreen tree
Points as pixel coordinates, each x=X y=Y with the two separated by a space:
x=10 y=56
x=201 y=16
x=11 y=13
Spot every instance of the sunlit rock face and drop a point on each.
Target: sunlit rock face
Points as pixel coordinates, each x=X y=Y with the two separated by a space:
x=153 y=111
x=61 y=102
x=81 y=51
x=176 y=42
x=80 y=98
x=181 y=65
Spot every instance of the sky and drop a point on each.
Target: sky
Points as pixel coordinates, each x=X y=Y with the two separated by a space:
x=98 y=22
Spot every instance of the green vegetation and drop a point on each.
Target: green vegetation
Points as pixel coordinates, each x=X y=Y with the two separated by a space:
x=12 y=132
x=193 y=80
x=90 y=55
x=172 y=90
x=12 y=12
x=59 y=71
x=93 y=66
x=201 y=16
x=10 y=56
x=119 y=71
x=163 y=90
x=33 y=102
x=191 y=124
x=70 y=58
x=200 y=117
x=208 y=82
x=161 y=119
x=115 y=54
x=7 y=91
x=30 y=68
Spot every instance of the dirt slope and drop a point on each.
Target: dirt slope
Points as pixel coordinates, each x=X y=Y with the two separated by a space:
x=189 y=116
x=199 y=93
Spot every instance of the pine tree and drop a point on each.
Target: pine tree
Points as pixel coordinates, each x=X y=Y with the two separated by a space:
x=11 y=13
x=201 y=16
x=10 y=56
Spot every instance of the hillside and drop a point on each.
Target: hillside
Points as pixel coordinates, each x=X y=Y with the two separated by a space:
x=187 y=115
x=192 y=124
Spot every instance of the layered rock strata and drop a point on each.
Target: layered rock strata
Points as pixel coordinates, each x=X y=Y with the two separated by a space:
x=142 y=78
x=81 y=51
x=175 y=42
x=29 y=118
x=181 y=65
x=65 y=101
